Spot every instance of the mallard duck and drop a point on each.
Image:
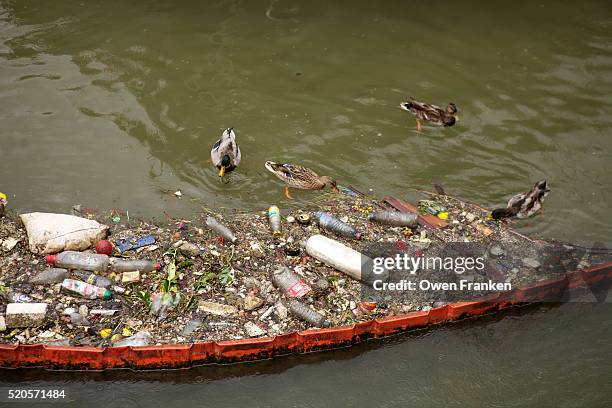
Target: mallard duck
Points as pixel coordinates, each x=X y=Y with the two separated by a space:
x=431 y=113
x=225 y=153
x=523 y=205
x=299 y=177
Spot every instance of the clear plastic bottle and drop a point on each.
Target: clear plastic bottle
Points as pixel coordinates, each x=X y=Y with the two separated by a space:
x=79 y=260
x=86 y=290
x=93 y=279
x=394 y=218
x=50 y=275
x=290 y=283
x=306 y=313
x=220 y=229
x=16 y=297
x=129 y=265
x=275 y=221
x=328 y=221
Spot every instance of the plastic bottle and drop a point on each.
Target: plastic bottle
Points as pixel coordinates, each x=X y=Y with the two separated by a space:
x=79 y=260
x=220 y=229
x=306 y=313
x=290 y=283
x=336 y=255
x=328 y=221
x=394 y=218
x=50 y=275
x=86 y=290
x=16 y=297
x=97 y=280
x=275 y=221
x=129 y=265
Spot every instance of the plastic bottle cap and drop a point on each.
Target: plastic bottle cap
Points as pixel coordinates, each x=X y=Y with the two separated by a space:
x=358 y=236
x=158 y=266
x=51 y=259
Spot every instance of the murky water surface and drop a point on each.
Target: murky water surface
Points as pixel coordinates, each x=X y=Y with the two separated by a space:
x=115 y=104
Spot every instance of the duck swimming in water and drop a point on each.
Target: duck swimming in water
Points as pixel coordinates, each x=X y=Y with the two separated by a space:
x=430 y=113
x=225 y=153
x=299 y=177
x=523 y=205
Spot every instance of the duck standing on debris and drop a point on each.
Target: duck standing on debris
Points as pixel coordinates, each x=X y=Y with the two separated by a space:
x=523 y=205
x=225 y=153
x=430 y=113
x=300 y=177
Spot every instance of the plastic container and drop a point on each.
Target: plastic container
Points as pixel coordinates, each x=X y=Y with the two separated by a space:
x=306 y=313
x=337 y=255
x=275 y=221
x=290 y=283
x=16 y=297
x=50 y=275
x=394 y=218
x=220 y=229
x=329 y=222
x=93 y=279
x=129 y=265
x=79 y=260
x=86 y=290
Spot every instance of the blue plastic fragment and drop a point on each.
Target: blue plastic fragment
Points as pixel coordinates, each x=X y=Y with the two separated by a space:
x=133 y=243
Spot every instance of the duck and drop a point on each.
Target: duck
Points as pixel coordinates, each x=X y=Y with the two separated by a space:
x=431 y=113
x=523 y=205
x=225 y=153
x=301 y=177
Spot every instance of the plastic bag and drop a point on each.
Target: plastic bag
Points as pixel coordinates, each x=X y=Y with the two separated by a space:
x=50 y=233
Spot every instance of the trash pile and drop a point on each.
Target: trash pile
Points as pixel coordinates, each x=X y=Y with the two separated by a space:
x=110 y=280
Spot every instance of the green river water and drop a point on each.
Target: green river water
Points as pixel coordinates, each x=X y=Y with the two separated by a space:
x=116 y=104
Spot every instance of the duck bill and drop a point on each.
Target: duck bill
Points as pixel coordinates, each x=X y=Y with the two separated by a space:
x=222 y=171
x=335 y=189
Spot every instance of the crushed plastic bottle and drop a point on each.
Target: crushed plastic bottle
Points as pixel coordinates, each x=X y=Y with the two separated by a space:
x=16 y=297
x=79 y=319
x=50 y=275
x=306 y=313
x=162 y=302
x=220 y=229
x=93 y=279
x=275 y=221
x=129 y=265
x=79 y=260
x=86 y=290
x=290 y=283
x=394 y=218
x=329 y=222
x=141 y=338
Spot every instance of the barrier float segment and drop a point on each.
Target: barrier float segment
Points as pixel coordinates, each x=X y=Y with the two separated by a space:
x=230 y=351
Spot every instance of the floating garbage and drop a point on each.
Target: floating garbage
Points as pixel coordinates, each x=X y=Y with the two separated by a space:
x=337 y=255
x=16 y=297
x=79 y=319
x=79 y=260
x=50 y=233
x=129 y=265
x=142 y=338
x=220 y=229
x=275 y=221
x=162 y=302
x=50 y=275
x=25 y=314
x=87 y=290
x=303 y=219
x=3 y=202
x=306 y=313
x=93 y=279
x=130 y=277
x=394 y=218
x=329 y=222
x=133 y=243
x=104 y=247
x=290 y=283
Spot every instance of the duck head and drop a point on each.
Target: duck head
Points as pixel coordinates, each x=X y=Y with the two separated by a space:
x=451 y=115
x=225 y=163
x=330 y=182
